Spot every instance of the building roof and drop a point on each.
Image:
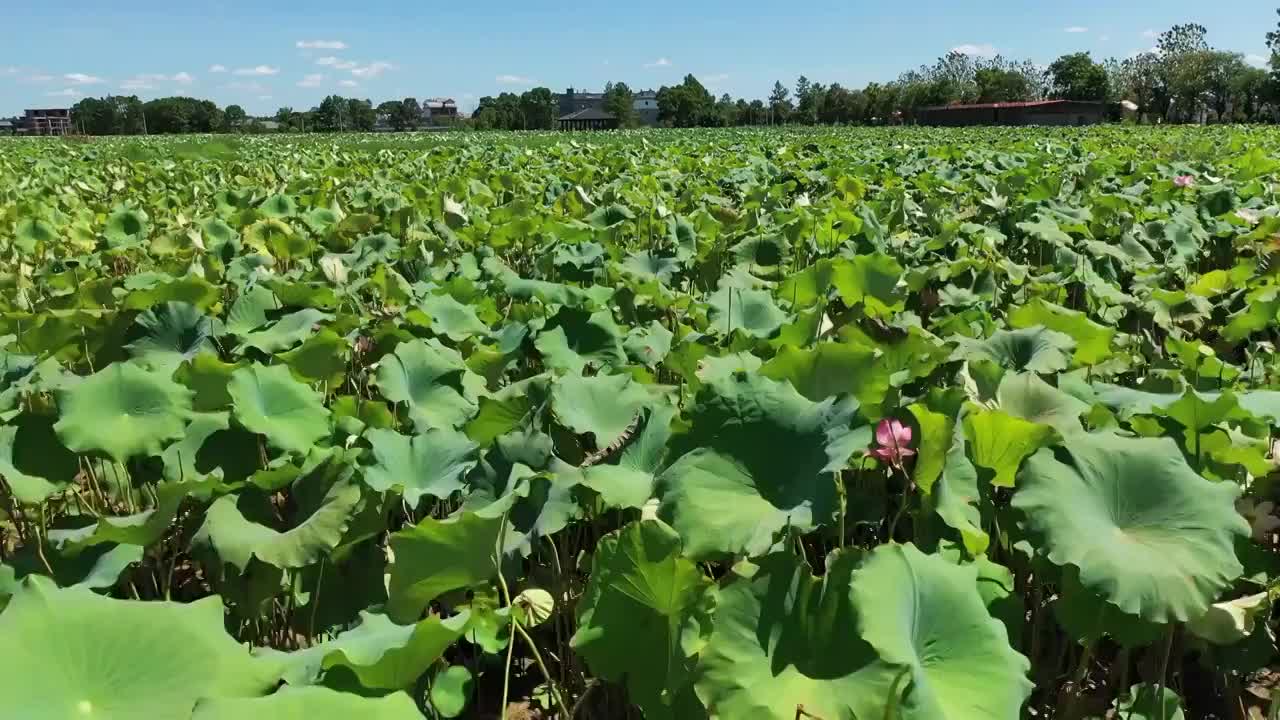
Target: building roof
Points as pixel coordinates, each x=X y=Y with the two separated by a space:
x=589 y=114
x=5 y=124
x=438 y=102
x=1003 y=105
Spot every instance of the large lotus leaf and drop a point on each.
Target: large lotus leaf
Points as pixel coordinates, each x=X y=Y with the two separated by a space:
x=508 y=409
x=249 y=311
x=322 y=358
x=923 y=613
x=830 y=369
x=170 y=334
x=1150 y=702
x=126 y=226
x=645 y=615
x=629 y=483
x=451 y=690
x=237 y=539
x=436 y=556
x=784 y=641
x=451 y=318
x=1026 y=396
x=286 y=332
x=270 y=402
x=604 y=406
x=84 y=655
x=1033 y=349
x=380 y=653
x=433 y=380
x=1001 y=442
x=763 y=461
x=123 y=411
x=208 y=377
x=33 y=232
x=310 y=703
x=431 y=463
x=1144 y=530
x=1093 y=341
x=956 y=495
x=574 y=339
x=649 y=344
x=26 y=487
x=139 y=529
x=750 y=311
x=870 y=280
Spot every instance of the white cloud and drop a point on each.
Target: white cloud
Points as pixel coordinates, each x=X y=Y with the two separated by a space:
x=10 y=70
x=348 y=83
x=1076 y=29
x=183 y=78
x=147 y=81
x=981 y=50
x=65 y=92
x=718 y=77
x=217 y=68
x=259 y=70
x=321 y=45
x=311 y=81
x=327 y=60
x=1152 y=34
x=372 y=70
x=37 y=78
x=82 y=79
x=251 y=86
x=514 y=80
x=660 y=62
x=137 y=83
x=1257 y=60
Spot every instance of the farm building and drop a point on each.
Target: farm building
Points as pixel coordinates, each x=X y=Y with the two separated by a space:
x=1039 y=112
x=645 y=104
x=571 y=101
x=46 y=121
x=6 y=127
x=588 y=119
x=437 y=109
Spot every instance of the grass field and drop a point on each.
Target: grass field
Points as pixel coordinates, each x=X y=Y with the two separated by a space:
x=831 y=424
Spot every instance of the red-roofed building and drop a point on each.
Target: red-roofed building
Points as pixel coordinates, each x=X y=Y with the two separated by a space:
x=1038 y=112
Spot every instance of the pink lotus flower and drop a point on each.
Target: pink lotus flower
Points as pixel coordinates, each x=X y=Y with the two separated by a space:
x=893 y=438
x=1184 y=181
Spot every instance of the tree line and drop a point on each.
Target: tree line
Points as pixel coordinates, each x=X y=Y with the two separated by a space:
x=1182 y=79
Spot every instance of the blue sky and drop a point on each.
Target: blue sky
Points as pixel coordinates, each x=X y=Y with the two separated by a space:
x=264 y=56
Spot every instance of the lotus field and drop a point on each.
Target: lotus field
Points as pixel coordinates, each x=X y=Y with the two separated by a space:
x=842 y=425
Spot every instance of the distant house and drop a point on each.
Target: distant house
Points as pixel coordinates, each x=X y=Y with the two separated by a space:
x=588 y=119
x=437 y=109
x=1039 y=112
x=571 y=101
x=46 y=121
x=270 y=125
x=645 y=103
x=7 y=127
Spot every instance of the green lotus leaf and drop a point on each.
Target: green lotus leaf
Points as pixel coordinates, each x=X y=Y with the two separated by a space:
x=1034 y=349
x=125 y=227
x=27 y=488
x=645 y=615
x=310 y=703
x=451 y=318
x=141 y=529
x=123 y=411
x=1150 y=702
x=279 y=206
x=436 y=556
x=1026 y=396
x=1093 y=341
x=831 y=369
x=119 y=658
x=381 y=654
x=1001 y=442
x=935 y=432
x=321 y=358
x=750 y=311
x=286 y=332
x=1144 y=530
x=956 y=495
x=784 y=641
x=629 y=482
x=451 y=689
x=648 y=345
x=33 y=232
x=573 y=339
x=208 y=377
x=604 y=406
x=249 y=311
x=958 y=657
x=867 y=280
x=270 y=402
x=431 y=463
x=508 y=409
x=170 y=334
x=236 y=539
x=433 y=380
x=1086 y=617
x=1196 y=412
x=1231 y=621
x=763 y=462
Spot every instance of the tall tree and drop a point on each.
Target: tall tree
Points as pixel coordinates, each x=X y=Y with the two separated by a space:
x=362 y=116
x=1001 y=85
x=410 y=113
x=333 y=114
x=779 y=104
x=1078 y=77
x=620 y=102
x=537 y=109
x=232 y=118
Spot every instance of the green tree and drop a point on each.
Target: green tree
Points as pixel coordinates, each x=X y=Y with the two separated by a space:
x=686 y=105
x=779 y=104
x=1001 y=85
x=333 y=115
x=410 y=116
x=1078 y=77
x=232 y=118
x=620 y=102
x=362 y=115
x=537 y=109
